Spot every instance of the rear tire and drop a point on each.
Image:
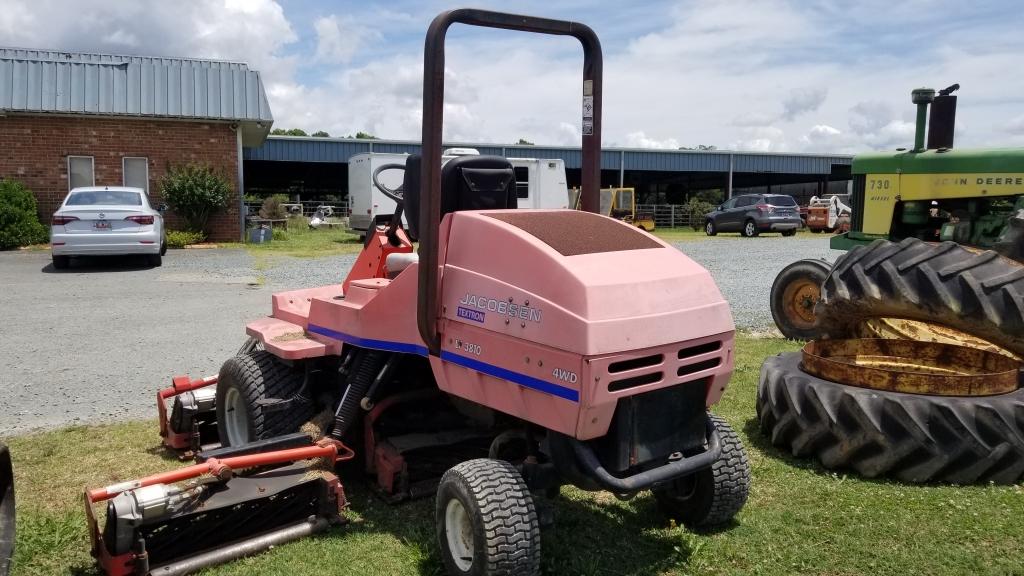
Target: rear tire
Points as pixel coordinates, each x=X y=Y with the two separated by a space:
x=61 y=262
x=247 y=379
x=789 y=232
x=978 y=293
x=713 y=496
x=486 y=521
x=816 y=230
x=7 y=517
x=911 y=437
x=155 y=260
x=709 y=228
x=749 y=229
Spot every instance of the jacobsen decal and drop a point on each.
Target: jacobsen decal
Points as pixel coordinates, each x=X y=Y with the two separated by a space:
x=502 y=307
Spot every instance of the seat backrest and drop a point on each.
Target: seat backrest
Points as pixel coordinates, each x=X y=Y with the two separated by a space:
x=467 y=183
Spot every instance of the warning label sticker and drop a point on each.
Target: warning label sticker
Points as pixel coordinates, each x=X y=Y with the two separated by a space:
x=588 y=106
x=588 y=127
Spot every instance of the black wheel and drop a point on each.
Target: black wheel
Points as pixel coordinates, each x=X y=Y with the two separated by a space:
x=247 y=379
x=709 y=228
x=911 y=437
x=155 y=260
x=61 y=262
x=816 y=230
x=749 y=229
x=789 y=232
x=794 y=294
x=979 y=293
x=163 y=247
x=486 y=521
x=6 y=510
x=713 y=496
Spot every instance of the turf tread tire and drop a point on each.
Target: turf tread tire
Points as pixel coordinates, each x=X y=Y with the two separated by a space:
x=910 y=437
x=979 y=293
x=721 y=491
x=504 y=518
x=259 y=375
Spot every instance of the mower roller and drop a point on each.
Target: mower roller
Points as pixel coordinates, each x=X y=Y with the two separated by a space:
x=516 y=351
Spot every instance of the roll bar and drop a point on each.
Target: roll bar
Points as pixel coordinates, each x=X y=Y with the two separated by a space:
x=427 y=304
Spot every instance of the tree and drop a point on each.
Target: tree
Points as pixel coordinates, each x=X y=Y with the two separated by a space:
x=288 y=132
x=362 y=136
x=524 y=142
x=19 y=225
x=320 y=134
x=701 y=147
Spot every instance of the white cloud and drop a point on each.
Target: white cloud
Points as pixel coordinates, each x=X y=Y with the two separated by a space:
x=338 y=38
x=803 y=101
x=640 y=140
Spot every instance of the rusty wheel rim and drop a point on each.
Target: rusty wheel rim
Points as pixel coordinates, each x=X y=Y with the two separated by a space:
x=799 y=299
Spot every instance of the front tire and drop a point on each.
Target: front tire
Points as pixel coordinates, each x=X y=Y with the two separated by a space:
x=246 y=380
x=709 y=228
x=749 y=229
x=713 y=496
x=486 y=521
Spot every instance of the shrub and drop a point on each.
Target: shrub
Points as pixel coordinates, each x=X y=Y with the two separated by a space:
x=273 y=209
x=697 y=209
x=182 y=238
x=195 y=192
x=19 y=225
x=279 y=234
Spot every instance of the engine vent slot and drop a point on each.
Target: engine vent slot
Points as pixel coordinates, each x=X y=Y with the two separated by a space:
x=626 y=383
x=699 y=349
x=634 y=363
x=698 y=367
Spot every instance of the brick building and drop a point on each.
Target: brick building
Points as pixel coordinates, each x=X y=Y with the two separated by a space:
x=72 y=119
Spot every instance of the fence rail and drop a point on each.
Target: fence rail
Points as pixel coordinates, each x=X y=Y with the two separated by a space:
x=668 y=215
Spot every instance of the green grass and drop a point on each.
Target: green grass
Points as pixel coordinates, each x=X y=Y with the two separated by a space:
x=304 y=242
x=800 y=519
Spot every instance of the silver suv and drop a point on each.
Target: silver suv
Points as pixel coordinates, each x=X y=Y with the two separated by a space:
x=752 y=214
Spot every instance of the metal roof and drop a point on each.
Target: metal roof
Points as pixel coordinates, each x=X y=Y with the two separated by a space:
x=339 y=150
x=50 y=81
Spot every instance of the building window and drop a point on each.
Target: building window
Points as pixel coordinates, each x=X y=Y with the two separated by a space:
x=136 y=172
x=80 y=172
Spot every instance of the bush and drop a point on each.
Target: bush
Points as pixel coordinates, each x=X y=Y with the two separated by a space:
x=279 y=234
x=182 y=238
x=697 y=209
x=195 y=192
x=273 y=208
x=19 y=225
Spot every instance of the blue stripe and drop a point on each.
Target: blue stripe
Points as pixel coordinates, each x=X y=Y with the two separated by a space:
x=401 y=347
x=515 y=377
x=471 y=363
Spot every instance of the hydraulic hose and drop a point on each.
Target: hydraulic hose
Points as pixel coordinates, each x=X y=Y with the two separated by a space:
x=368 y=364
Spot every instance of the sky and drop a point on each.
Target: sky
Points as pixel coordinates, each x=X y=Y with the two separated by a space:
x=762 y=75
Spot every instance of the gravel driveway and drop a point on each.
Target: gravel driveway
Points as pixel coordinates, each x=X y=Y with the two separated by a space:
x=94 y=343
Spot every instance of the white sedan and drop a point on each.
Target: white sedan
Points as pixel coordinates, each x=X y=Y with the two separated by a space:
x=107 y=220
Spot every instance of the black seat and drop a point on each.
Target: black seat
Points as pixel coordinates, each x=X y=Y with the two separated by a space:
x=467 y=183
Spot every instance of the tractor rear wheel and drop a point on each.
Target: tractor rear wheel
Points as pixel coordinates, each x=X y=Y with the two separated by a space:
x=486 y=521
x=978 y=293
x=911 y=437
x=247 y=387
x=710 y=497
x=794 y=294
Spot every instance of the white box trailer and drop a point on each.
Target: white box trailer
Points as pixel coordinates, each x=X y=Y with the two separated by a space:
x=540 y=183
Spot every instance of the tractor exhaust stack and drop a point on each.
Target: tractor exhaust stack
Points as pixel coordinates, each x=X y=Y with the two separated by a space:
x=922 y=97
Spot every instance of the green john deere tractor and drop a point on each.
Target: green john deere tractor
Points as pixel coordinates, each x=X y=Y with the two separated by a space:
x=932 y=192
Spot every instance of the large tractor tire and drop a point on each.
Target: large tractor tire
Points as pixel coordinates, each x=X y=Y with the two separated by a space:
x=911 y=437
x=248 y=389
x=486 y=521
x=6 y=510
x=713 y=496
x=978 y=293
x=794 y=296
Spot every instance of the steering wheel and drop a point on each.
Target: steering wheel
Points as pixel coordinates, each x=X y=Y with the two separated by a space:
x=396 y=193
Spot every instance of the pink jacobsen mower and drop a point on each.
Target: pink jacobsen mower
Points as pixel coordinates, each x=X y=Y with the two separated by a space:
x=514 y=352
